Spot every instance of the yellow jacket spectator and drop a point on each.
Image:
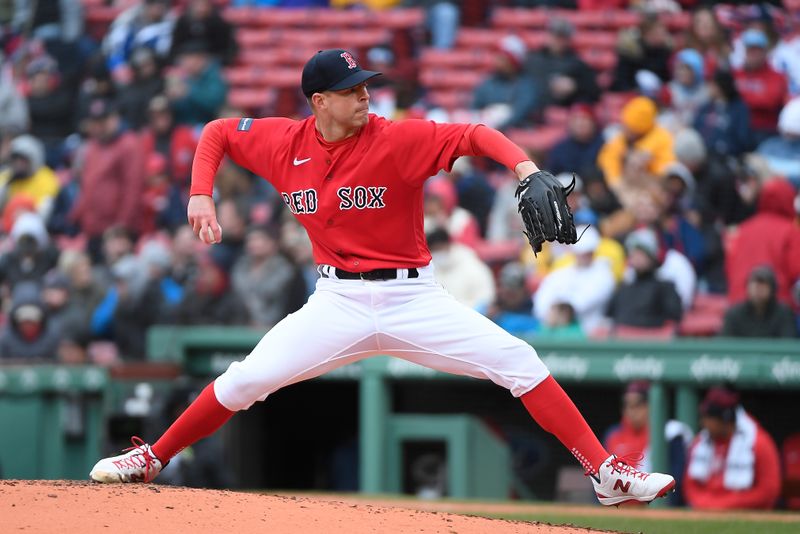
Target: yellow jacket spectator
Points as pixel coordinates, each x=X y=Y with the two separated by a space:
x=28 y=175
x=641 y=147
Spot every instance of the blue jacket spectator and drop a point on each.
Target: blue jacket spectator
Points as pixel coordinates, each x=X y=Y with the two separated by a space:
x=724 y=121
x=578 y=151
x=198 y=90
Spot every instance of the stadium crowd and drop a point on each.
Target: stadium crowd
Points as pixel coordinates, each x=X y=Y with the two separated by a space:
x=687 y=198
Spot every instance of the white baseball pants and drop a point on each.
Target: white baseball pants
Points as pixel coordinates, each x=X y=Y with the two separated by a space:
x=348 y=320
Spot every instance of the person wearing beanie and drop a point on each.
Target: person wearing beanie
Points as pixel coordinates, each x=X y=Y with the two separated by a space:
x=783 y=151
x=642 y=147
x=687 y=92
x=770 y=237
x=724 y=121
x=645 y=301
x=763 y=89
x=761 y=315
x=508 y=87
x=733 y=462
x=28 y=175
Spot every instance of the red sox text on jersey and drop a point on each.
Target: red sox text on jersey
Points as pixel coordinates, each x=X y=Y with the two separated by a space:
x=305 y=201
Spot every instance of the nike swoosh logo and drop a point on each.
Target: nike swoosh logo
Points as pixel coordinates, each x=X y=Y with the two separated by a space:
x=300 y=161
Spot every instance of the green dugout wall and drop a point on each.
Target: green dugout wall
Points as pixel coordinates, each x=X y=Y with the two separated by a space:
x=683 y=365
x=51 y=420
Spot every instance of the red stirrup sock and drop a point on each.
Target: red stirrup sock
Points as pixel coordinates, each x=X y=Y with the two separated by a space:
x=550 y=406
x=201 y=419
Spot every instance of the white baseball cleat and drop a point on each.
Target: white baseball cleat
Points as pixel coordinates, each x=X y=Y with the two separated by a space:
x=618 y=482
x=138 y=464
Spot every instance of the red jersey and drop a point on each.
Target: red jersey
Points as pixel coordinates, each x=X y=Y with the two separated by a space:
x=360 y=199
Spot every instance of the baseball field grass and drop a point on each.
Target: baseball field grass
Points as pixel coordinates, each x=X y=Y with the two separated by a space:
x=656 y=525
x=638 y=519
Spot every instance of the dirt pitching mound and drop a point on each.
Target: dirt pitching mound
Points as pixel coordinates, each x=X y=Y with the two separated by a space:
x=69 y=506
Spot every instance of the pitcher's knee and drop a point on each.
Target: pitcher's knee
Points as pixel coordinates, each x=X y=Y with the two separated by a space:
x=240 y=386
x=521 y=370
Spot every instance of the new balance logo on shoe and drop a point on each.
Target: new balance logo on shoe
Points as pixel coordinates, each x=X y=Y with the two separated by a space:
x=619 y=485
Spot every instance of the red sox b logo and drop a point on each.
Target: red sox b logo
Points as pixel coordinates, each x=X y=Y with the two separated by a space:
x=351 y=63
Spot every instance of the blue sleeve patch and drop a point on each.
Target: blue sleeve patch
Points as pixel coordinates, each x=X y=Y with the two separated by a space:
x=244 y=125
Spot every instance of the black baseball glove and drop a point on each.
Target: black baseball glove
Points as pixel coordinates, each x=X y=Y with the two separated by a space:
x=542 y=203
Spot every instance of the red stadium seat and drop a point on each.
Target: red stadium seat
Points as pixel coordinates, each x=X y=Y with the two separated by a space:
x=595 y=40
x=450 y=99
x=678 y=21
x=250 y=99
x=556 y=116
x=397 y=18
x=539 y=139
x=479 y=38
x=663 y=333
x=600 y=60
x=699 y=323
x=461 y=79
x=478 y=59
x=515 y=18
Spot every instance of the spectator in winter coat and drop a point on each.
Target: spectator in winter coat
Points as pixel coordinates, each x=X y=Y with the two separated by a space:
x=687 y=92
x=147 y=82
x=578 y=151
x=50 y=105
x=13 y=106
x=724 y=121
x=733 y=462
x=709 y=37
x=762 y=88
x=761 y=315
x=783 y=151
x=508 y=91
x=770 y=237
x=563 y=77
x=642 y=146
x=442 y=211
x=261 y=277
x=196 y=89
x=210 y=301
x=460 y=270
x=645 y=301
x=720 y=186
x=175 y=142
x=587 y=285
x=29 y=176
x=512 y=309
x=147 y=23
x=645 y=48
x=33 y=254
x=113 y=176
x=28 y=335
x=202 y=22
